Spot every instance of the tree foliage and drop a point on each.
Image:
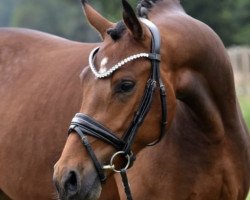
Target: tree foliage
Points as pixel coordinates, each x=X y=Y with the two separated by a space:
x=229 y=18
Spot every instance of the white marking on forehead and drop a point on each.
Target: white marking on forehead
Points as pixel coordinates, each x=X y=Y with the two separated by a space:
x=104 y=61
x=103 y=64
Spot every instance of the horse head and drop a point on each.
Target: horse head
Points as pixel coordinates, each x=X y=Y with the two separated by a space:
x=124 y=106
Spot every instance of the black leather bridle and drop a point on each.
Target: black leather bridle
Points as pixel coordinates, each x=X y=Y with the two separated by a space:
x=84 y=125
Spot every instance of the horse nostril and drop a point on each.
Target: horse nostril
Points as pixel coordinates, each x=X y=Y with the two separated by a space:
x=71 y=184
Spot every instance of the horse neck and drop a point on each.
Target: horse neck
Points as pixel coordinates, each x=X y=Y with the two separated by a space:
x=191 y=48
x=170 y=2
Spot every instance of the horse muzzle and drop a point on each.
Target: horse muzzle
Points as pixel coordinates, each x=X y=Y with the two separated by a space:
x=71 y=184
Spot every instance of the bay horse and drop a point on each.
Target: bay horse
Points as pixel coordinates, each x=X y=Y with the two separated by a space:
x=204 y=151
x=39 y=78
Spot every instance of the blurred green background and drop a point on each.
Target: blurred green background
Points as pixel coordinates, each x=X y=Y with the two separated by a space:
x=229 y=18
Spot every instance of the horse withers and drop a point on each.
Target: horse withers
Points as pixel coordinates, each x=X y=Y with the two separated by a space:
x=204 y=153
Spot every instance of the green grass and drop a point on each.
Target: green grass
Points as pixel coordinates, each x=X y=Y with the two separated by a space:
x=245 y=107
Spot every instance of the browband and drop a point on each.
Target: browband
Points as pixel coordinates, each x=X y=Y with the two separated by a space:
x=115 y=67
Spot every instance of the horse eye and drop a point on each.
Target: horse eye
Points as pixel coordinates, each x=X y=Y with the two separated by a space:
x=125 y=86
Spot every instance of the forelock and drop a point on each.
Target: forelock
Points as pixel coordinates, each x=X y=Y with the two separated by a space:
x=117 y=32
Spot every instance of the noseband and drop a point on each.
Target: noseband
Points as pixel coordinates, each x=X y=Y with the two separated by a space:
x=84 y=125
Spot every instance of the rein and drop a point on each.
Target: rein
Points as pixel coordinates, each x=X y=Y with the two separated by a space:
x=85 y=125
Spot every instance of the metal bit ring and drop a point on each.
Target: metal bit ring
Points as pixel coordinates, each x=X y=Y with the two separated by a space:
x=112 y=166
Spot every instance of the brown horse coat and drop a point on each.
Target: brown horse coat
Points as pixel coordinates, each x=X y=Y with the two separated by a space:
x=206 y=152
x=40 y=91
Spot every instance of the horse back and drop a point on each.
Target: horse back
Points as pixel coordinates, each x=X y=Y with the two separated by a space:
x=39 y=94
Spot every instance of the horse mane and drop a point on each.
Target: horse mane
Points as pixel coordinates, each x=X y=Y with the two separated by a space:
x=144 y=6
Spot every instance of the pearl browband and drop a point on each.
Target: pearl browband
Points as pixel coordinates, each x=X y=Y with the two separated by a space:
x=115 y=67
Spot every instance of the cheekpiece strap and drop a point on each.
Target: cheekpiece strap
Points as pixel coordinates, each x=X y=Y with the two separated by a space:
x=91 y=153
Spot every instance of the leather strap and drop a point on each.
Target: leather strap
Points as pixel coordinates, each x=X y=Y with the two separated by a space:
x=91 y=153
x=126 y=184
x=91 y=127
x=148 y=95
x=139 y=115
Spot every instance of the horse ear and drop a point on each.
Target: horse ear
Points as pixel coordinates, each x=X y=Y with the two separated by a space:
x=100 y=23
x=131 y=21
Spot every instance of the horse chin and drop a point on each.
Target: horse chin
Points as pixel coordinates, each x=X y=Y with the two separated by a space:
x=91 y=192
